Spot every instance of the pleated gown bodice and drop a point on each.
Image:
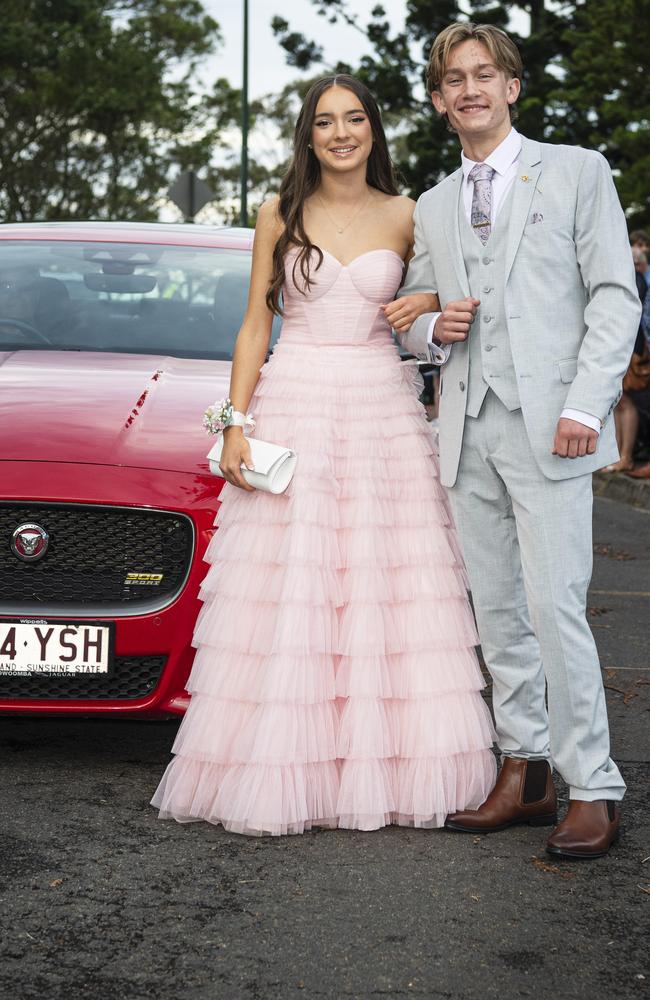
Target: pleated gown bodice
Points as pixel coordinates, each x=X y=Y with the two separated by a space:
x=342 y=304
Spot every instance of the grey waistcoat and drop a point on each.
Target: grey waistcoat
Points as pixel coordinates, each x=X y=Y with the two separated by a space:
x=490 y=358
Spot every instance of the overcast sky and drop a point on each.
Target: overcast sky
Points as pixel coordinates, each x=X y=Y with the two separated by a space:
x=268 y=70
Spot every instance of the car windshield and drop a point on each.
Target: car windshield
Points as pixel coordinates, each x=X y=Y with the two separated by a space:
x=130 y=298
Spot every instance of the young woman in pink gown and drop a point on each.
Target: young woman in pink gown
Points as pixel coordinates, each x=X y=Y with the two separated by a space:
x=335 y=681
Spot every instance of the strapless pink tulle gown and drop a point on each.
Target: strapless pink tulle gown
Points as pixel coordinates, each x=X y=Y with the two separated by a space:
x=335 y=681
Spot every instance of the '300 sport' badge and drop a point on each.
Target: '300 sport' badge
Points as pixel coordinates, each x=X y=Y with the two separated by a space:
x=29 y=542
x=143 y=579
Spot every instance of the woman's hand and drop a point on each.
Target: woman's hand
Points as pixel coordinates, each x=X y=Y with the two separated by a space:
x=401 y=313
x=235 y=452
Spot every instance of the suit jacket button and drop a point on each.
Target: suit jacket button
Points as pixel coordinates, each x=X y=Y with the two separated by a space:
x=461 y=386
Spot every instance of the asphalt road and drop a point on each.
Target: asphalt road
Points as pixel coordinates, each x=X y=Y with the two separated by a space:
x=100 y=899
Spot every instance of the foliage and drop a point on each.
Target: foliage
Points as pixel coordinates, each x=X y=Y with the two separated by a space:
x=96 y=103
x=604 y=100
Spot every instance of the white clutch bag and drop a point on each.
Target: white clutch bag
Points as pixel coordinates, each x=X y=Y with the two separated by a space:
x=274 y=465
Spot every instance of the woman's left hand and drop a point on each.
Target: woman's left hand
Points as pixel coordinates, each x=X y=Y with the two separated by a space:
x=401 y=313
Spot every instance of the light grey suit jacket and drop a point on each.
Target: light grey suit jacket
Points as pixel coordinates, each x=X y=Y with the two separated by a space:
x=572 y=308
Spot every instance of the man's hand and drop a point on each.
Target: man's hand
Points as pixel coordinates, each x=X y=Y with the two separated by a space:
x=404 y=311
x=455 y=320
x=573 y=439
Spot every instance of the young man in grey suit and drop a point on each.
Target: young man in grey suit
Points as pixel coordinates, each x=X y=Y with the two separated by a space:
x=526 y=245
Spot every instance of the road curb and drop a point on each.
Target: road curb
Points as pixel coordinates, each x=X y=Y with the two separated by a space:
x=618 y=486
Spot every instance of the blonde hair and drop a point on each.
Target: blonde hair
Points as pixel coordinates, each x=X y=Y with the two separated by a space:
x=502 y=49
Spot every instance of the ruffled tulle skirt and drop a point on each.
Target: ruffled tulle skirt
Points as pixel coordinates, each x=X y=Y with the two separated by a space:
x=335 y=681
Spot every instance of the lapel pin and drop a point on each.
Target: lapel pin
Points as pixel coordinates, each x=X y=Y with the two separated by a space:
x=525 y=177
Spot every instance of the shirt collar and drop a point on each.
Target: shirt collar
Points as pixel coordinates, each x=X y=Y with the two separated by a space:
x=501 y=158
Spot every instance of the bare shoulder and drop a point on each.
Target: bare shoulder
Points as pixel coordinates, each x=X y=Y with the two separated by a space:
x=404 y=207
x=270 y=206
x=406 y=204
x=268 y=216
x=400 y=205
x=398 y=211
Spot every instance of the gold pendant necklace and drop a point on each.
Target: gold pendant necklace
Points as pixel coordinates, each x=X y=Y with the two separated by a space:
x=342 y=229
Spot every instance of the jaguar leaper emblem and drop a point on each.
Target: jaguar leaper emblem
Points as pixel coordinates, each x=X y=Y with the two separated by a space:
x=29 y=542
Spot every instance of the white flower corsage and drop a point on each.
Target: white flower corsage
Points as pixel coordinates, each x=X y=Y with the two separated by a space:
x=222 y=414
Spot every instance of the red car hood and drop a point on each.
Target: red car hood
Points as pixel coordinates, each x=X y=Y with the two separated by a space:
x=142 y=411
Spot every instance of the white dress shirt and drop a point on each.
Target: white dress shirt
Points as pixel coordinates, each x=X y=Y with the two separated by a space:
x=504 y=160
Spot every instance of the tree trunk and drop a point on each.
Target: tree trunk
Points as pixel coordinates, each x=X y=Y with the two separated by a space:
x=537 y=16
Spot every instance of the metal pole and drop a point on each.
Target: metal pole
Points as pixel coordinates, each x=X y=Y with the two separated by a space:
x=243 y=213
x=192 y=198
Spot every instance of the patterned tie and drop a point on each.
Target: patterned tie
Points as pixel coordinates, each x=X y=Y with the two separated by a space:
x=482 y=175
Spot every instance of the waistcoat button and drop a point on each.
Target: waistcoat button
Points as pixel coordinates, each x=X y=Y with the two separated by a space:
x=487 y=260
x=489 y=347
x=487 y=319
x=461 y=386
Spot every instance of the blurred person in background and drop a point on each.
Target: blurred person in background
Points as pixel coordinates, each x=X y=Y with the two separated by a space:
x=642 y=269
x=640 y=239
x=639 y=372
x=636 y=384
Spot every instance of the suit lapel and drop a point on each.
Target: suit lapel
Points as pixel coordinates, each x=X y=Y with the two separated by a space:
x=452 y=230
x=525 y=183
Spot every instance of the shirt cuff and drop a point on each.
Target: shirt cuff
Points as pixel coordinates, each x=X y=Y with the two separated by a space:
x=438 y=353
x=583 y=418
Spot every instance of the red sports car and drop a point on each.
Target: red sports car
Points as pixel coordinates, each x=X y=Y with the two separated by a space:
x=113 y=340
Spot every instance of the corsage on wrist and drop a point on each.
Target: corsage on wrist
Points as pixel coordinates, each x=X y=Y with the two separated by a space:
x=222 y=414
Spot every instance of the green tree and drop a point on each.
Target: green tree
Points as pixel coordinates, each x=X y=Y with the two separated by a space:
x=97 y=103
x=222 y=172
x=604 y=98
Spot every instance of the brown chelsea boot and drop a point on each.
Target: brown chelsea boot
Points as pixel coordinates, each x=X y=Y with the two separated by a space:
x=524 y=793
x=587 y=831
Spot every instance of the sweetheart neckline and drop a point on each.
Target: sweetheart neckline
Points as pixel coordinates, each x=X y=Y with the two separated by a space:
x=360 y=256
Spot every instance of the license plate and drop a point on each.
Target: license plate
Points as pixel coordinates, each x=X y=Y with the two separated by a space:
x=31 y=646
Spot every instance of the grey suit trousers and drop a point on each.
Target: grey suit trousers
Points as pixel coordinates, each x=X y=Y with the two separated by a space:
x=527 y=543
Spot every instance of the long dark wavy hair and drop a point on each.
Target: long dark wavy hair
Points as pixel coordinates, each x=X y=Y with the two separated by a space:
x=303 y=177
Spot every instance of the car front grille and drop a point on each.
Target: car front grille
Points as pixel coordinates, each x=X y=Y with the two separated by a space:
x=131 y=677
x=99 y=558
